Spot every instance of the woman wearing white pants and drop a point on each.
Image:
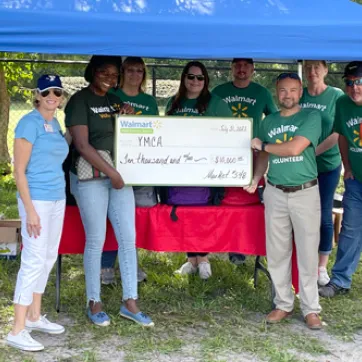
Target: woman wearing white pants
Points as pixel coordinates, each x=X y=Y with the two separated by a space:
x=39 y=151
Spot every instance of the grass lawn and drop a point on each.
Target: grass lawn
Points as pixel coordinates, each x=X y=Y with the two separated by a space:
x=218 y=320
x=205 y=321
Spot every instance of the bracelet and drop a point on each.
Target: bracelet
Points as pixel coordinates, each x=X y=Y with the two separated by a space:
x=263 y=146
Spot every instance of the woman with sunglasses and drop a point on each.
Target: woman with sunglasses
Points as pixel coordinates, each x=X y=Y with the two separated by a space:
x=131 y=91
x=319 y=95
x=90 y=120
x=194 y=99
x=39 y=151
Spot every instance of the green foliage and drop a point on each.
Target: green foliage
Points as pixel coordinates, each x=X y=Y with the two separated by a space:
x=340 y=187
x=7 y=183
x=8 y=201
x=17 y=73
x=5 y=168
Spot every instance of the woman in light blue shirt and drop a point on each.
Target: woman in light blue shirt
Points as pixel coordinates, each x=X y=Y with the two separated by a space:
x=39 y=151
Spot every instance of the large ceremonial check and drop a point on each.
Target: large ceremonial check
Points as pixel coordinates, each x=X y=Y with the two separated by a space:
x=183 y=151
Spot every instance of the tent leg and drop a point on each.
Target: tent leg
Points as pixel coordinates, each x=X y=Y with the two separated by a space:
x=300 y=69
x=260 y=267
x=57 y=282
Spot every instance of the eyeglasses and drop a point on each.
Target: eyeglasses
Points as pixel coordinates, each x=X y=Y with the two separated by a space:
x=288 y=75
x=351 y=83
x=57 y=92
x=199 y=77
x=105 y=74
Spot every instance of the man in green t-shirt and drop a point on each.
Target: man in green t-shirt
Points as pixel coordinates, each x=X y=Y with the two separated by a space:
x=348 y=123
x=288 y=140
x=245 y=99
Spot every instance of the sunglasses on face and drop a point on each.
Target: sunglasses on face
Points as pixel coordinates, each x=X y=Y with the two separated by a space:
x=288 y=75
x=199 y=77
x=351 y=83
x=57 y=92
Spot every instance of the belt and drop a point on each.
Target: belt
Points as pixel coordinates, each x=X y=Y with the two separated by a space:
x=307 y=185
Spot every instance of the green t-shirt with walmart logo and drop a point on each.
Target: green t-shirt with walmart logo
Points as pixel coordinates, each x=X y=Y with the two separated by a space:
x=85 y=108
x=348 y=122
x=292 y=170
x=142 y=103
x=326 y=104
x=216 y=108
x=252 y=101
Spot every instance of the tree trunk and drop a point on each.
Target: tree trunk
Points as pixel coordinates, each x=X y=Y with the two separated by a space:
x=4 y=119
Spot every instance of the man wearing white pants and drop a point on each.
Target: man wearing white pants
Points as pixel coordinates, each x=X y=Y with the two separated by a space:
x=292 y=206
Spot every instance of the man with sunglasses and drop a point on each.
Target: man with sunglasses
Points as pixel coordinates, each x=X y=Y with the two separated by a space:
x=245 y=99
x=288 y=140
x=348 y=123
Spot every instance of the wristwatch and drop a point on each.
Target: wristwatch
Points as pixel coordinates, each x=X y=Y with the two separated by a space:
x=263 y=146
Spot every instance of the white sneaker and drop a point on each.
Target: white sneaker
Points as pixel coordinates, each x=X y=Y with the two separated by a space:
x=323 y=277
x=43 y=325
x=205 y=270
x=24 y=341
x=187 y=268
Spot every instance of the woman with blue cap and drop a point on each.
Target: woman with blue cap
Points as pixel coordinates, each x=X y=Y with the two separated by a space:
x=39 y=151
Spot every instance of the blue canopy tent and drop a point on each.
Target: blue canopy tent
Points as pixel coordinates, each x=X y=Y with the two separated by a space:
x=204 y=29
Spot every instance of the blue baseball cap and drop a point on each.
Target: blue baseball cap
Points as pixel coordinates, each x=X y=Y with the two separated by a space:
x=47 y=81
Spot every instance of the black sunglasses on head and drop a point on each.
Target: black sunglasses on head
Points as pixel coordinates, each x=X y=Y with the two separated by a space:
x=57 y=92
x=199 y=77
x=288 y=75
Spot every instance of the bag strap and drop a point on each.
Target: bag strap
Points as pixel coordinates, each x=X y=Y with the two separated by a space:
x=173 y=215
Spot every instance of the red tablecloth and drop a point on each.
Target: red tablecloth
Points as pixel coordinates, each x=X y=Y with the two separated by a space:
x=209 y=229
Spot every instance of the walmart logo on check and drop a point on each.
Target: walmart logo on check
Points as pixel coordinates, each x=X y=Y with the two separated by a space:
x=139 y=127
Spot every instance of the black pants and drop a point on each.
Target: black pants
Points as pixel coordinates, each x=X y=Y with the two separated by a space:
x=192 y=255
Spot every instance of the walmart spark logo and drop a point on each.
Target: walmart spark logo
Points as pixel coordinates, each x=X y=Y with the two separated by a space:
x=239 y=110
x=157 y=124
x=358 y=139
x=285 y=139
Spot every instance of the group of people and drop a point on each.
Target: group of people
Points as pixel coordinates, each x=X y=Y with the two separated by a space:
x=299 y=143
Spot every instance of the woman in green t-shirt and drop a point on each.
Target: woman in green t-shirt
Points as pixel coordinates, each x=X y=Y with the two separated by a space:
x=131 y=91
x=318 y=95
x=194 y=99
x=90 y=120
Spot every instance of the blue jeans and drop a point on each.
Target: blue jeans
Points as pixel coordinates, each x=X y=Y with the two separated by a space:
x=97 y=200
x=350 y=238
x=328 y=182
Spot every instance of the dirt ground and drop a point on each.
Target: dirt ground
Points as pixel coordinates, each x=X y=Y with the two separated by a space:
x=65 y=347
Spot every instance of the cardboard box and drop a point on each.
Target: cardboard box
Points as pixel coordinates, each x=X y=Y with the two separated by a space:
x=9 y=241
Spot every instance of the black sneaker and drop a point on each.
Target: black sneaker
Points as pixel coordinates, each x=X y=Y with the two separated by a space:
x=331 y=290
x=237 y=259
